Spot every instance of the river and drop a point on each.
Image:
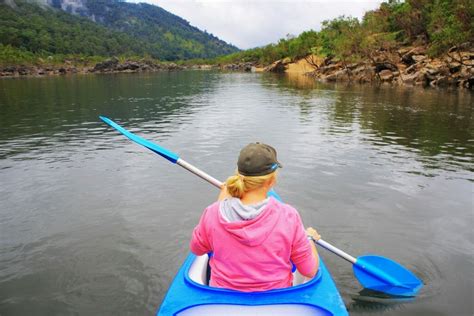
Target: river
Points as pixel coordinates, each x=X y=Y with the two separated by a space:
x=93 y=224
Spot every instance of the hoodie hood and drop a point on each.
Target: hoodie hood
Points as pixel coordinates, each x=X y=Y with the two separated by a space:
x=233 y=210
x=256 y=230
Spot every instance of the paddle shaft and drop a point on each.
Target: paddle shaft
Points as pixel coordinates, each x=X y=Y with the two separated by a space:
x=199 y=173
x=336 y=251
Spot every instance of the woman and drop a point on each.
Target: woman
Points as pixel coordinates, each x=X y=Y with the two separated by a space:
x=253 y=238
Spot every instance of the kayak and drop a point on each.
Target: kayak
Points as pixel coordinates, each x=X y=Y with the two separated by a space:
x=189 y=295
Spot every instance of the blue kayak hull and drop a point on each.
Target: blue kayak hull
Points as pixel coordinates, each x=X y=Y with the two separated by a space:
x=187 y=297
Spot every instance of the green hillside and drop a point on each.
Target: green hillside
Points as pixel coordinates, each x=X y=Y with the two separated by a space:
x=173 y=36
x=122 y=29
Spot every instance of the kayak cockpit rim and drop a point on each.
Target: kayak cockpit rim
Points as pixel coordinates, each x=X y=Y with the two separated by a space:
x=185 y=297
x=196 y=275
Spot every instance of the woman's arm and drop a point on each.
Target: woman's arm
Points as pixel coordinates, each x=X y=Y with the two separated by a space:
x=304 y=254
x=200 y=242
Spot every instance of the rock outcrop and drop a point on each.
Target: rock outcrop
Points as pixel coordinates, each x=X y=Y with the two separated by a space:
x=279 y=65
x=107 y=65
x=247 y=67
x=408 y=66
x=111 y=65
x=17 y=71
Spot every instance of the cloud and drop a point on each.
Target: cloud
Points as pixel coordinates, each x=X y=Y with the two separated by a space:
x=248 y=24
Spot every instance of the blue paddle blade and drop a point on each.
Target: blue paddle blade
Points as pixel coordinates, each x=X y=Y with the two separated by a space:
x=163 y=152
x=384 y=275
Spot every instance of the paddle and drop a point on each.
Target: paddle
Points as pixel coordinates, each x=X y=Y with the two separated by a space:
x=373 y=272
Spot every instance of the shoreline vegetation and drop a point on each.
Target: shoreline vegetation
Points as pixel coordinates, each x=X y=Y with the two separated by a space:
x=415 y=42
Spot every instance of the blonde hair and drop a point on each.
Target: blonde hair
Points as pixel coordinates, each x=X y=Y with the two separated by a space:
x=238 y=185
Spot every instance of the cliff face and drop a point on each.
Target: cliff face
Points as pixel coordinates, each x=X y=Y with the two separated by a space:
x=70 y=6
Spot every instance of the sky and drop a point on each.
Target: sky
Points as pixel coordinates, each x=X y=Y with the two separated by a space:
x=252 y=23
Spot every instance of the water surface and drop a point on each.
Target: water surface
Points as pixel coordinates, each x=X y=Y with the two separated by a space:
x=91 y=223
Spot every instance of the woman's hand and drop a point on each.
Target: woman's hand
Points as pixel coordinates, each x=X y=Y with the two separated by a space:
x=311 y=232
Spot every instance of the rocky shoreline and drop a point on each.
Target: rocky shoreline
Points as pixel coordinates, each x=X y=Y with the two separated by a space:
x=404 y=66
x=112 y=65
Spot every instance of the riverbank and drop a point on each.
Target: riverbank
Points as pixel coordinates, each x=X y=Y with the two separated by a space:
x=110 y=65
x=405 y=66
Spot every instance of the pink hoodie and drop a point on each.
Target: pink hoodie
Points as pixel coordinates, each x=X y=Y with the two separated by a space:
x=256 y=254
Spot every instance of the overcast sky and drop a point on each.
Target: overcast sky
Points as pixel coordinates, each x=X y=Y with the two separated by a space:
x=252 y=23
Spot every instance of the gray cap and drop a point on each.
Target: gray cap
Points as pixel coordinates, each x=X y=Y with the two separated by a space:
x=257 y=159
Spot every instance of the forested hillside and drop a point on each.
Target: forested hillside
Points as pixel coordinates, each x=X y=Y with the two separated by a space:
x=173 y=36
x=119 y=29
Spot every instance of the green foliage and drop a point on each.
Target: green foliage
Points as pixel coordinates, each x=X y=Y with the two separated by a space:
x=341 y=38
x=13 y=56
x=410 y=17
x=10 y=55
x=440 y=24
x=450 y=23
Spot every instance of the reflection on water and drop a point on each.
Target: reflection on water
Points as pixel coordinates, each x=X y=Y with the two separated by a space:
x=367 y=300
x=91 y=223
x=434 y=126
x=42 y=114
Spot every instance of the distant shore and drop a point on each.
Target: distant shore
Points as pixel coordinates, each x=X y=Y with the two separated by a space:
x=408 y=66
x=111 y=65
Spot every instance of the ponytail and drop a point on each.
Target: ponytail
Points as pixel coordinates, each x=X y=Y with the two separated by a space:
x=238 y=185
